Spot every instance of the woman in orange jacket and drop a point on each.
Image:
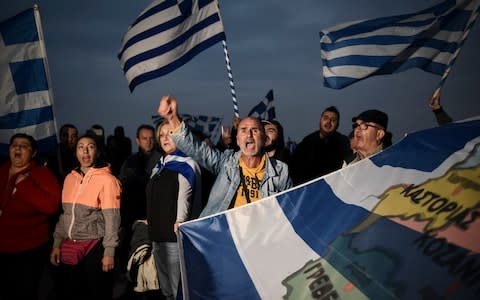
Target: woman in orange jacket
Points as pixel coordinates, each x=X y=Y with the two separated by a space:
x=86 y=234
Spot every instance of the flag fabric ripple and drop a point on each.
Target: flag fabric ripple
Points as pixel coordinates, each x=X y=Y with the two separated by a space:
x=427 y=40
x=403 y=224
x=166 y=35
x=25 y=94
x=264 y=110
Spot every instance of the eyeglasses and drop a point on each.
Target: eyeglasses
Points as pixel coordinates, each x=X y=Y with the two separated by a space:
x=364 y=126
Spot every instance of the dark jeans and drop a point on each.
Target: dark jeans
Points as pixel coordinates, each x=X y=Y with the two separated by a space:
x=85 y=280
x=20 y=273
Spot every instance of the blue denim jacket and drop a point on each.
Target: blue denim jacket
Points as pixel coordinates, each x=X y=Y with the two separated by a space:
x=225 y=166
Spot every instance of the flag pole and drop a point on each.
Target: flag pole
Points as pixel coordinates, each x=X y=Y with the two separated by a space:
x=229 y=71
x=230 y=79
x=472 y=21
x=38 y=22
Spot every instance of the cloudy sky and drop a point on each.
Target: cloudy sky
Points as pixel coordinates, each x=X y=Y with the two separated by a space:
x=273 y=44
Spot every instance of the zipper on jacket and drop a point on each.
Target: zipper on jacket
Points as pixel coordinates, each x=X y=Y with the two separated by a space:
x=70 y=227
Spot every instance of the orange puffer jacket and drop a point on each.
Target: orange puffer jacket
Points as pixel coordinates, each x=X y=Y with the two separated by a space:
x=91 y=208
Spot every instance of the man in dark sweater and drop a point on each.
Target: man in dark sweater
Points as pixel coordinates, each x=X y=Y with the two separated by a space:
x=322 y=151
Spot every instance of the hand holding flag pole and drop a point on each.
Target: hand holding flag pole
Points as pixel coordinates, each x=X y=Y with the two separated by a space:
x=434 y=100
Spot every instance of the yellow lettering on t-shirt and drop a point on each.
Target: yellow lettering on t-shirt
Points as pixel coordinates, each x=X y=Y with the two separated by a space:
x=252 y=178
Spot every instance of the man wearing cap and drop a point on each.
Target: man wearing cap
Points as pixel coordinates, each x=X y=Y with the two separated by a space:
x=369 y=128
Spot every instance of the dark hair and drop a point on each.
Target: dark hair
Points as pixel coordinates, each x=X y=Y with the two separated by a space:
x=387 y=139
x=31 y=140
x=100 y=158
x=280 y=141
x=64 y=132
x=98 y=127
x=334 y=110
x=119 y=131
x=145 y=126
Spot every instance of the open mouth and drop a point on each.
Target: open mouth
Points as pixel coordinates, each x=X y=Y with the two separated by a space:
x=250 y=145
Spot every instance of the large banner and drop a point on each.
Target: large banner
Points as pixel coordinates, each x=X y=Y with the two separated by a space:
x=404 y=224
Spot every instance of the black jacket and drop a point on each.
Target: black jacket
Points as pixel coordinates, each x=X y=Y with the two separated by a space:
x=315 y=156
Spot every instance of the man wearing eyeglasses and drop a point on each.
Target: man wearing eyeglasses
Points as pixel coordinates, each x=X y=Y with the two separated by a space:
x=369 y=130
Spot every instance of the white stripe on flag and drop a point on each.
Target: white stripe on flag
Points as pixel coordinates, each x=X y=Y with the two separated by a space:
x=39 y=131
x=18 y=103
x=256 y=254
x=401 y=31
x=359 y=71
x=390 y=50
x=21 y=52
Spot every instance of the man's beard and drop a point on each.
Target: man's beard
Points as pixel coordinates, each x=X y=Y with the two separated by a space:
x=274 y=145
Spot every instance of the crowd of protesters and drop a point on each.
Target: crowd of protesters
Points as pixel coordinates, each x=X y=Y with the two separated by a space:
x=101 y=222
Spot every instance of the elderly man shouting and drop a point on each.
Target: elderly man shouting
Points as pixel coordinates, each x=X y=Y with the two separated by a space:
x=369 y=131
x=243 y=176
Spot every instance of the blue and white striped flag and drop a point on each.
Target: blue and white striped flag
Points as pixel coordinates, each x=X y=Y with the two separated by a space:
x=427 y=40
x=264 y=110
x=25 y=93
x=166 y=35
x=209 y=126
x=403 y=224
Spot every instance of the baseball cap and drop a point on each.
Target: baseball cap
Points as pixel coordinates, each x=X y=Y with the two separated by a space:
x=373 y=115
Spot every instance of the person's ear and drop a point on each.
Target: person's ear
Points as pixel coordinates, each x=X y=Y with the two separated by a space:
x=380 y=134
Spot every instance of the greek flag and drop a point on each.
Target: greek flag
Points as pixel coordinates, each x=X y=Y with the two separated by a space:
x=209 y=126
x=264 y=110
x=166 y=35
x=402 y=224
x=25 y=94
x=429 y=40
